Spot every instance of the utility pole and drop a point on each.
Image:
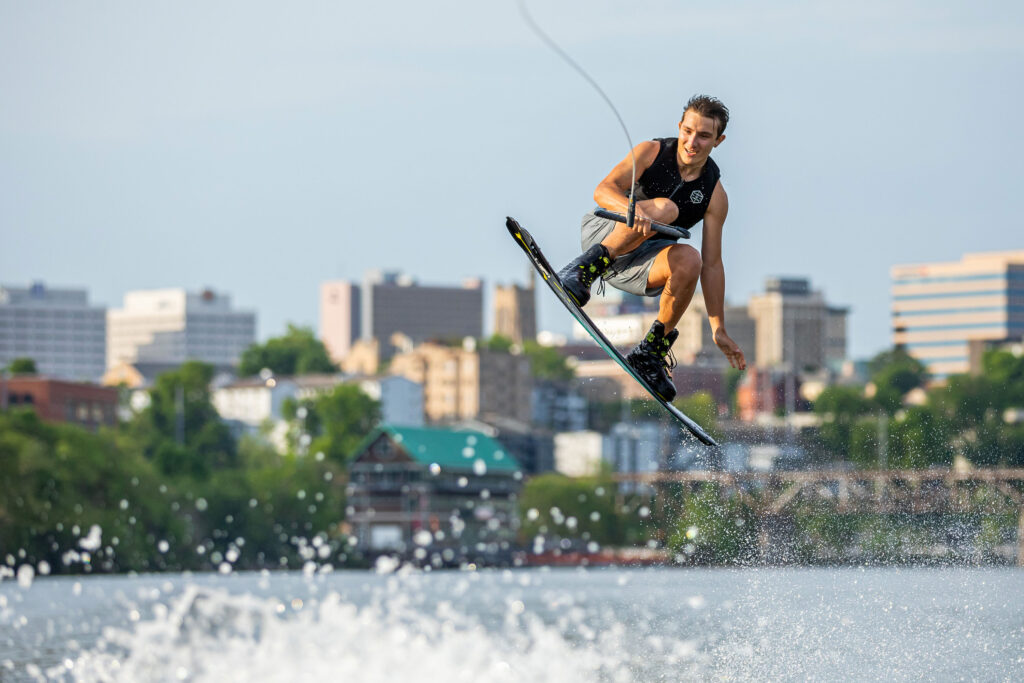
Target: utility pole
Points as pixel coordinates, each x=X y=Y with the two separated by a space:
x=179 y=415
x=883 y=441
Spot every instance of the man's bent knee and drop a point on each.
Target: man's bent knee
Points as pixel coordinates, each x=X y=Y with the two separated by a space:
x=684 y=261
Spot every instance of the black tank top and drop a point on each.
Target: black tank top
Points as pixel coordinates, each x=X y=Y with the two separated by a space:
x=662 y=179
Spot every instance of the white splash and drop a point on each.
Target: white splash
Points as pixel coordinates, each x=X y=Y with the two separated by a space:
x=93 y=540
x=211 y=635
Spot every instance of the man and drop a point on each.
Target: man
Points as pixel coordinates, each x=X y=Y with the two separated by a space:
x=677 y=184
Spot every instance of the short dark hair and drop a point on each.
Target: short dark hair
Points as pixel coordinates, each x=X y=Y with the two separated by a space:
x=712 y=107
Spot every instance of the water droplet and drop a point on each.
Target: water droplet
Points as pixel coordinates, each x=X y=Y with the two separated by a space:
x=25 y=575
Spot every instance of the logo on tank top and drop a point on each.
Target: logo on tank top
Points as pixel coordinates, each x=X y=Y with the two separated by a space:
x=696 y=197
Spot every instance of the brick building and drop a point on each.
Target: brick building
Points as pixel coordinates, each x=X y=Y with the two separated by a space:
x=55 y=400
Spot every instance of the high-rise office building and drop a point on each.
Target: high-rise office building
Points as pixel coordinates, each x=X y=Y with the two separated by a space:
x=795 y=328
x=835 y=337
x=57 y=328
x=938 y=309
x=340 y=318
x=515 y=312
x=172 y=326
x=394 y=304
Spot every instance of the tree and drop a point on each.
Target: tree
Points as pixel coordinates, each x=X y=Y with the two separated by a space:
x=894 y=373
x=22 y=366
x=1006 y=372
x=547 y=363
x=584 y=508
x=297 y=352
x=919 y=438
x=57 y=481
x=334 y=423
x=497 y=342
x=840 y=409
x=713 y=528
x=180 y=429
x=974 y=406
x=701 y=406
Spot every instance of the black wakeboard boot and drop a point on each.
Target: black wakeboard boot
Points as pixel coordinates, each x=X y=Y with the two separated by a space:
x=579 y=275
x=651 y=360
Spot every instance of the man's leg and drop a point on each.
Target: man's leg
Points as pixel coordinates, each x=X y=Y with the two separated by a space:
x=676 y=269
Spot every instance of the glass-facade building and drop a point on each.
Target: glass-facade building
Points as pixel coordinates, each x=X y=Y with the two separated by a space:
x=58 y=328
x=938 y=309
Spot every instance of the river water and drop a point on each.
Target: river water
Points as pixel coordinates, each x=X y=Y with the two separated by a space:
x=561 y=625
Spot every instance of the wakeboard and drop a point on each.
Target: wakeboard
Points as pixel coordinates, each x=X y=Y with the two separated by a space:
x=548 y=274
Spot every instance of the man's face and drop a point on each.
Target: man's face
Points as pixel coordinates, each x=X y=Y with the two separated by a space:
x=698 y=135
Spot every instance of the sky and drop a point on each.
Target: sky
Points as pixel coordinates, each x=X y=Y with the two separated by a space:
x=261 y=148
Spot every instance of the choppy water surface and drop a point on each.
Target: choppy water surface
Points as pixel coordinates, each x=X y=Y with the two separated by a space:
x=523 y=625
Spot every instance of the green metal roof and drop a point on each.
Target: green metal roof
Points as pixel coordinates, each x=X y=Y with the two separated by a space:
x=451 y=449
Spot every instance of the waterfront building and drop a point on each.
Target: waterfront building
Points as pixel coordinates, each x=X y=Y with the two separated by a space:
x=447 y=495
x=82 y=403
x=532 y=448
x=938 y=309
x=463 y=382
x=57 y=328
x=515 y=311
x=173 y=326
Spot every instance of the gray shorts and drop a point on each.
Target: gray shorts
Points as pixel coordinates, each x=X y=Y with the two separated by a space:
x=631 y=271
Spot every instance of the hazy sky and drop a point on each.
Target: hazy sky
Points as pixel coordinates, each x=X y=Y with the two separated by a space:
x=261 y=148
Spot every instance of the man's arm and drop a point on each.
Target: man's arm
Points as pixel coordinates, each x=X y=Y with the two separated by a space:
x=712 y=275
x=612 y=193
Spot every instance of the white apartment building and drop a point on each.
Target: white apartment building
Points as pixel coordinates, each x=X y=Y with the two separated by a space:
x=579 y=454
x=173 y=326
x=57 y=328
x=256 y=403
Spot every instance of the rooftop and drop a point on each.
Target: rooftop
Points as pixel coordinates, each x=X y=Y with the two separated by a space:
x=450 y=449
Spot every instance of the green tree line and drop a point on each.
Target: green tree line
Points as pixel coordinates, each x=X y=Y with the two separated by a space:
x=172 y=488
x=970 y=416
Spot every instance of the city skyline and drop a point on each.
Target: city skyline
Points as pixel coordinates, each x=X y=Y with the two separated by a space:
x=261 y=152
